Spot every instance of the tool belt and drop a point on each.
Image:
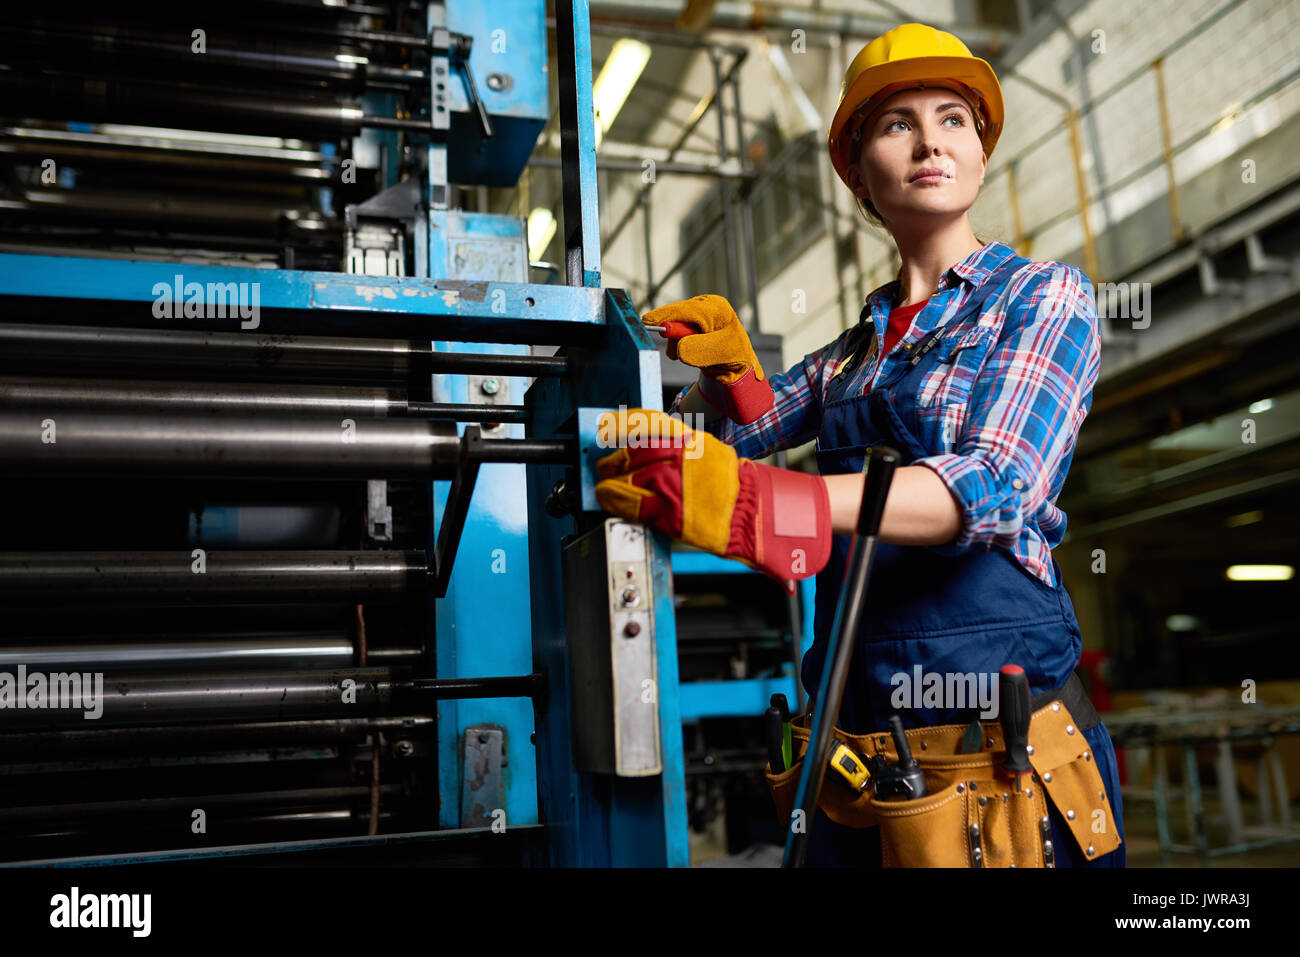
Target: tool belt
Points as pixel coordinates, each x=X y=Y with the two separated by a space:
x=972 y=815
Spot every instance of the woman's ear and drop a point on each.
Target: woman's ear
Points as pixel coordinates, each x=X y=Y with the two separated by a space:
x=855 y=183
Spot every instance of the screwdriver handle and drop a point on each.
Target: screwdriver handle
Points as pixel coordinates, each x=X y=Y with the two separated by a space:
x=1013 y=712
x=779 y=701
x=772 y=733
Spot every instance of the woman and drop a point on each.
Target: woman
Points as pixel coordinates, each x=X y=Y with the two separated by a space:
x=976 y=364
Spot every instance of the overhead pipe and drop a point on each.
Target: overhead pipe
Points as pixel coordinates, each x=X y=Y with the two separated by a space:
x=771 y=16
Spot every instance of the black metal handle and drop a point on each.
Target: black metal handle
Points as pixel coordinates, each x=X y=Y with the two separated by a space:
x=879 y=466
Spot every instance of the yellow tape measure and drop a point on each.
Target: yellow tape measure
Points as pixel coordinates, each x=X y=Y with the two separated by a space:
x=850 y=765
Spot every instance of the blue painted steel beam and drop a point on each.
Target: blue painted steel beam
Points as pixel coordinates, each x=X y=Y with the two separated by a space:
x=484 y=624
x=367 y=305
x=747 y=698
x=623 y=372
x=578 y=143
x=704 y=563
x=596 y=819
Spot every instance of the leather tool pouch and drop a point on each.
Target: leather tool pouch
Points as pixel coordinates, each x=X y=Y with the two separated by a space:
x=972 y=815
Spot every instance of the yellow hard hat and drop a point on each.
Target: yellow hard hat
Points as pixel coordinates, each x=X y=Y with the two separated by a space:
x=908 y=56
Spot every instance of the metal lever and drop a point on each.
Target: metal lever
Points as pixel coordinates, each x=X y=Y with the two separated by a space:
x=458 y=49
x=878 y=470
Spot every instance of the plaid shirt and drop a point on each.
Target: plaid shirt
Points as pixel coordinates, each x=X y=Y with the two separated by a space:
x=1000 y=414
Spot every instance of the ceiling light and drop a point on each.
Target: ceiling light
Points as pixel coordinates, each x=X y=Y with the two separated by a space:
x=541 y=229
x=1260 y=573
x=622 y=69
x=1245 y=518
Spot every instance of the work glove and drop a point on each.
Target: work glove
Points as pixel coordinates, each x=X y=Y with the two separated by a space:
x=694 y=488
x=706 y=333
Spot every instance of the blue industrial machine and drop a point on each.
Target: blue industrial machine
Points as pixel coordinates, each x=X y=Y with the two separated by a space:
x=393 y=610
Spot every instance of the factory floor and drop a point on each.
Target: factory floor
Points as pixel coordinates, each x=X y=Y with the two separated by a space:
x=709 y=848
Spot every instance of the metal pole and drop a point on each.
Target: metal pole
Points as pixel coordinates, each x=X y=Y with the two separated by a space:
x=696 y=116
x=649 y=262
x=635 y=166
x=878 y=473
x=105 y=742
x=746 y=212
x=271 y=696
x=322 y=447
x=728 y=226
x=252 y=696
x=578 y=143
x=138 y=397
x=215 y=574
x=226 y=356
x=197 y=652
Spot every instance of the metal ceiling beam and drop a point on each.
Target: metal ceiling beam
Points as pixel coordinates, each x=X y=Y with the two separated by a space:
x=764 y=16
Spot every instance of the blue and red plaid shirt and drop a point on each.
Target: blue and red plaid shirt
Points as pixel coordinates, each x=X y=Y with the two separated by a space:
x=1001 y=417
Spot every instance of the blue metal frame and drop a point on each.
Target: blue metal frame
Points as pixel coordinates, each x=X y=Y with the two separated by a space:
x=733 y=699
x=743 y=698
x=578 y=143
x=590 y=818
x=484 y=625
x=510 y=42
x=600 y=819
x=495 y=309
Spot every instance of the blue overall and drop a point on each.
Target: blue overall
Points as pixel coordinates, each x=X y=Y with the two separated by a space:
x=969 y=613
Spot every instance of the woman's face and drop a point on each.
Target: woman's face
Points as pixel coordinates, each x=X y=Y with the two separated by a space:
x=911 y=131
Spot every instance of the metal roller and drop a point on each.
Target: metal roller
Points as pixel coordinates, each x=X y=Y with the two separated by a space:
x=268 y=696
x=253 y=696
x=323 y=448
x=107 y=395
x=53 y=745
x=183 y=353
x=270 y=801
x=191 y=106
x=148 y=55
x=218 y=576
x=196 y=653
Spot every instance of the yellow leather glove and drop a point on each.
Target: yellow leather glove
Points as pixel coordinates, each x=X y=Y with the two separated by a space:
x=693 y=487
x=705 y=332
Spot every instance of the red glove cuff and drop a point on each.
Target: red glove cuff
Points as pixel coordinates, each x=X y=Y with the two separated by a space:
x=743 y=401
x=782 y=522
